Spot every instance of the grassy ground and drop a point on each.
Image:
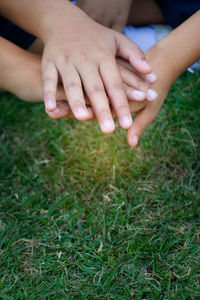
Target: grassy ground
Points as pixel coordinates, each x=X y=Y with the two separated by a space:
x=83 y=216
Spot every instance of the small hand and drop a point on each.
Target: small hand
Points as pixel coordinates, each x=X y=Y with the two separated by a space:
x=83 y=55
x=137 y=89
x=148 y=113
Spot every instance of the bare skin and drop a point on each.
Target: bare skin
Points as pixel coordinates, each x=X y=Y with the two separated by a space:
x=112 y=14
x=170 y=57
x=79 y=59
x=21 y=75
x=116 y=14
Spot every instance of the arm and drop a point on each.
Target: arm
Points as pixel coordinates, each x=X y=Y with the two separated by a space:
x=17 y=67
x=83 y=54
x=170 y=57
x=21 y=75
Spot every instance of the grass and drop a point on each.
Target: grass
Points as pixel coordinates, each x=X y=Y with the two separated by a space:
x=83 y=216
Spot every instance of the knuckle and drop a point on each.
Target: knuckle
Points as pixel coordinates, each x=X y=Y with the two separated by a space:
x=46 y=65
x=105 y=56
x=71 y=85
x=47 y=78
x=95 y=90
x=81 y=53
x=78 y=103
x=61 y=61
x=46 y=61
x=48 y=93
x=103 y=113
x=122 y=108
x=116 y=87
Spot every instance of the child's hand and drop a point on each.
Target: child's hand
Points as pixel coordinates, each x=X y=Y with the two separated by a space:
x=148 y=113
x=137 y=89
x=21 y=75
x=83 y=54
x=112 y=14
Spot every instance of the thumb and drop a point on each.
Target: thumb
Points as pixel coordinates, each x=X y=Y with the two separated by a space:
x=142 y=120
x=132 y=53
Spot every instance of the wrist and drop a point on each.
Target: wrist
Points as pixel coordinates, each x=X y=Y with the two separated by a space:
x=162 y=67
x=162 y=63
x=63 y=19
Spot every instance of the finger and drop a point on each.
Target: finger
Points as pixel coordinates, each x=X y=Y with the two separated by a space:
x=96 y=93
x=61 y=97
x=136 y=106
x=131 y=52
x=115 y=90
x=133 y=80
x=138 y=89
x=141 y=121
x=138 y=95
x=74 y=92
x=134 y=95
x=149 y=78
x=62 y=110
x=50 y=81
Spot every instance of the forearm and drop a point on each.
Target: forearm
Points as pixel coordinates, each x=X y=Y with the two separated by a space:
x=10 y=59
x=179 y=49
x=39 y=17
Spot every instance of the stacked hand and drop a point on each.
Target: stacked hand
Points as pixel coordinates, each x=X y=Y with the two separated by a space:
x=85 y=61
x=28 y=74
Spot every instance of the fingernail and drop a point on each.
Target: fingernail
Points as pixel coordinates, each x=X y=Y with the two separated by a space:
x=126 y=121
x=50 y=104
x=151 y=78
x=135 y=140
x=151 y=95
x=107 y=126
x=57 y=110
x=145 y=64
x=81 y=112
x=138 y=95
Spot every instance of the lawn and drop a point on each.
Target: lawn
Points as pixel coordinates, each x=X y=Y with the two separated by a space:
x=83 y=216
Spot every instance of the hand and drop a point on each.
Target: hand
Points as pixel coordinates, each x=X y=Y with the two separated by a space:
x=112 y=14
x=138 y=91
x=148 y=113
x=22 y=76
x=83 y=54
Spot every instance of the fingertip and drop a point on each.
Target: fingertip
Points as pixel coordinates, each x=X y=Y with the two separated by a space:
x=141 y=65
x=136 y=95
x=107 y=126
x=133 y=140
x=82 y=114
x=126 y=122
x=151 y=95
x=50 y=104
x=151 y=77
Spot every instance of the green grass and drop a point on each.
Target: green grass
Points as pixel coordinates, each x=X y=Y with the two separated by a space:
x=83 y=216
